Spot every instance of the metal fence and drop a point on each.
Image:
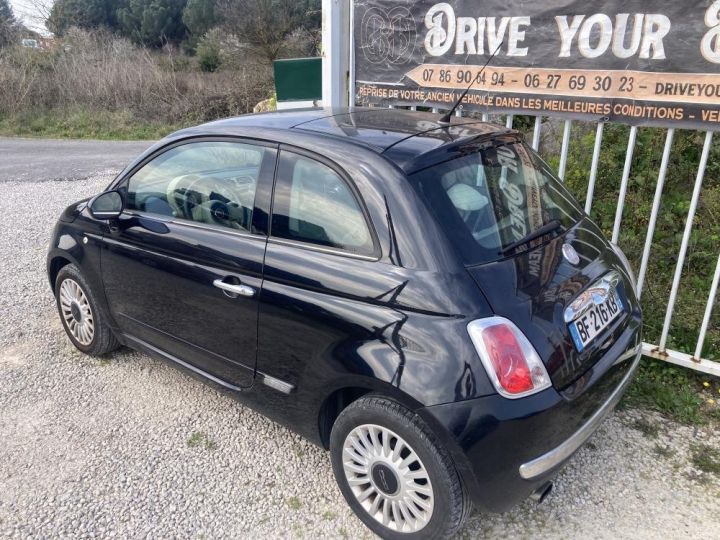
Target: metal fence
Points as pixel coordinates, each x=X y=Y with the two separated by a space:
x=338 y=85
x=655 y=350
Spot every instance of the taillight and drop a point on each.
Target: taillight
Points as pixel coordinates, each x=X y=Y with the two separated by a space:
x=510 y=360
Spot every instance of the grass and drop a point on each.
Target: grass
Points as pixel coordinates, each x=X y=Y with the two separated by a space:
x=663 y=451
x=668 y=390
x=84 y=124
x=646 y=427
x=706 y=458
x=675 y=392
x=200 y=439
x=294 y=503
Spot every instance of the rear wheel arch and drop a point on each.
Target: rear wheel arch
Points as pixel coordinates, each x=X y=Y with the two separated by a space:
x=447 y=496
x=333 y=405
x=340 y=398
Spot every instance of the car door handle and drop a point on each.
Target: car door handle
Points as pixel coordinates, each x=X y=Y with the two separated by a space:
x=242 y=290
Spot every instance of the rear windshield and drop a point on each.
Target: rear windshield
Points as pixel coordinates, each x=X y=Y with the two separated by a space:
x=493 y=196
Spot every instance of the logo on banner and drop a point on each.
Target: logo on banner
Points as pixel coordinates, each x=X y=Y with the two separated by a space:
x=710 y=45
x=388 y=36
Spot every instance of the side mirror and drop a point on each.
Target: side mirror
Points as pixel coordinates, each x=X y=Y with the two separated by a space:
x=108 y=205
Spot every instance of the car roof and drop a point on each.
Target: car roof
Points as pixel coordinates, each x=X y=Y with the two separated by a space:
x=401 y=135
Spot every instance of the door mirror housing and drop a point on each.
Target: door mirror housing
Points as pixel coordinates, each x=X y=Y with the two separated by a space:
x=108 y=205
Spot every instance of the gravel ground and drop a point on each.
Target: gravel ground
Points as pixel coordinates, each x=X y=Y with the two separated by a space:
x=130 y=447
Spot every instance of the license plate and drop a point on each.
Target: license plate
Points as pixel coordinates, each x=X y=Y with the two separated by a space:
x=591 y=323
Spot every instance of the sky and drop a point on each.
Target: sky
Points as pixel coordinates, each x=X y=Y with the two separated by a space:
x=30 y=12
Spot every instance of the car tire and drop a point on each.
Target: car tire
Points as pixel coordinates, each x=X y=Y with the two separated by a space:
x=394 y=472
x=84 y=322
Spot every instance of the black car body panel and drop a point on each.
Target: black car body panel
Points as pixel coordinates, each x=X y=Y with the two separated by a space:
x=158 y=279
x=327 y=326
x=497 y=435
x=533 y=289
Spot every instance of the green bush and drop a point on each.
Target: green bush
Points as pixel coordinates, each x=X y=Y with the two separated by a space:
x=208 y=52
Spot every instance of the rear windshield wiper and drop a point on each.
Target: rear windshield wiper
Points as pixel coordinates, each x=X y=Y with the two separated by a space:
x=549 y=227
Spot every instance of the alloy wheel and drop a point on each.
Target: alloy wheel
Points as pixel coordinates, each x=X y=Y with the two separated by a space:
x=388 y=478
x=76 y=312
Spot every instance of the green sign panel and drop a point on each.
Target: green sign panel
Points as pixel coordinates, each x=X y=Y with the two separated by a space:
x=298 y=79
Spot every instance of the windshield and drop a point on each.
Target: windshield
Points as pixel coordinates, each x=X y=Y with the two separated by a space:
x=492 y=197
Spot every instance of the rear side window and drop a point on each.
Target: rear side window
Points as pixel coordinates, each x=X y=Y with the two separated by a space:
x=493 y=196
x=314 y=205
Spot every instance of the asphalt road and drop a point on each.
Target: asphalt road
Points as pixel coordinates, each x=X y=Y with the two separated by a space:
x=129 y=447
x=38 y=160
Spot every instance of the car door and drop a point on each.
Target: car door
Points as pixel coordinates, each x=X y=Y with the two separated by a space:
x=182 y=267
x=319 y=269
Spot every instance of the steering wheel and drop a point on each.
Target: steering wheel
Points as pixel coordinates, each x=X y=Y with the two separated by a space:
x=179 y=195
x=208 y=200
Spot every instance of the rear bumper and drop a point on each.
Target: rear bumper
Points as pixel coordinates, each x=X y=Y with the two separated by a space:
x=505 y=449
x=551 y=460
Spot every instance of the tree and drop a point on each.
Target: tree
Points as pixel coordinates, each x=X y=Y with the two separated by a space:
x=9 y=26
x=153 y=22
x=208 y=51
x=200 y=16
x=86 y=14
x=266 y=24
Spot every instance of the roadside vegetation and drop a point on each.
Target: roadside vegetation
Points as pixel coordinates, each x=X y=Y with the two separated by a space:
x=129 y=69
x=675 y=392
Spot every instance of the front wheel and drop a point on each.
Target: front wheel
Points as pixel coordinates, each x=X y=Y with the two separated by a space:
x=394 y=473
x=80 y=315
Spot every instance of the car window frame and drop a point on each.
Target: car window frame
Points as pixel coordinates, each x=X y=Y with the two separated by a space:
x=457 y=151
x=122 y=182
x=376 y=253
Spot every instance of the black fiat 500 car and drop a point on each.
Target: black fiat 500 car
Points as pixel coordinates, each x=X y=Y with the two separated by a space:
x=424 y=300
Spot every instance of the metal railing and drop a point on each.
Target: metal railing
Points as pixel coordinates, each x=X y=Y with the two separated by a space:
x=342 y=92
x=655 y=350
x=660 y=351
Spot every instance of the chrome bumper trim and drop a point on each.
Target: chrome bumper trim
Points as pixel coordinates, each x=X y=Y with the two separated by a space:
x=546 y=462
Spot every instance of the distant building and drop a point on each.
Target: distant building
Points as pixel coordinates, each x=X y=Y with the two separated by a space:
x=36 y=41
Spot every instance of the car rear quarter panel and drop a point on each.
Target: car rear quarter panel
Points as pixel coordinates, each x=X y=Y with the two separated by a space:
x=396 y=324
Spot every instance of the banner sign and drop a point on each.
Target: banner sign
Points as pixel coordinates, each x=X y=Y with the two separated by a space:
x=643 y=62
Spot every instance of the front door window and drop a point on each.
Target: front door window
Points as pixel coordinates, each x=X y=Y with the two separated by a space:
x=206 y=182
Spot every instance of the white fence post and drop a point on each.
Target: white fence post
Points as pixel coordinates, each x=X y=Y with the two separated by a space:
x=336 y=52
x=564 y=149
x=655 y=210
x=685 y=240
x=624 y=183
x=708 y=311
x=594 y=166
x=536 y=133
